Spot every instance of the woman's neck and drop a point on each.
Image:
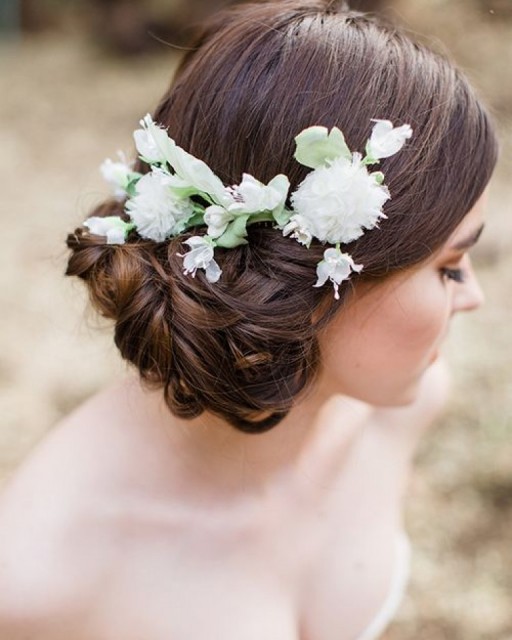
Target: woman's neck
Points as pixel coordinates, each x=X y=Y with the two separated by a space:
x=208 y=449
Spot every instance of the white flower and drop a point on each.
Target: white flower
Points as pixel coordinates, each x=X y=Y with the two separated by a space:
x=193 y=176
x=252 y=196
x=151 y=141
x=337 y=267
x=200 y=257
x=112 y=227
x=337 y=203
x=156 y=210
x=117 y=174
x=217 y=218
x=298 y=227
x=386 y=140
x=249 y=197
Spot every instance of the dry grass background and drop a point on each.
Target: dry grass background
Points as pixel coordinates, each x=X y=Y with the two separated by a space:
x=64 y=107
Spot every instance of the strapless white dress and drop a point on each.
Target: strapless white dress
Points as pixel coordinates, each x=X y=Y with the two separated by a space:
x=396 y=591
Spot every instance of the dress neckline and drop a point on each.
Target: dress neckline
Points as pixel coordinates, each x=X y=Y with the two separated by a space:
x=396 y=591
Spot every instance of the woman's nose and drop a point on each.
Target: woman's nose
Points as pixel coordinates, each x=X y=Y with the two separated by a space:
x=469 y=295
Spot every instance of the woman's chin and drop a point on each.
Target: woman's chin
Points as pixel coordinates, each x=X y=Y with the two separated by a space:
x=406 y=395
x=434 y=357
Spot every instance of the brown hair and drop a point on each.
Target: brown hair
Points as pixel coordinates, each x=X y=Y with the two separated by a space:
x=246 y=346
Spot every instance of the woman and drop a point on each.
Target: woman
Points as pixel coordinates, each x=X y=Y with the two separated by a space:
x=246 y=481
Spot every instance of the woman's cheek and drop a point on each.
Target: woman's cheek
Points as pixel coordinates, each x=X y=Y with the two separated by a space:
x=420 y=315
x=433 y=311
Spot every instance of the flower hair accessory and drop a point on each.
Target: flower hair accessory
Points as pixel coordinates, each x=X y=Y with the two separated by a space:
x=337 y=202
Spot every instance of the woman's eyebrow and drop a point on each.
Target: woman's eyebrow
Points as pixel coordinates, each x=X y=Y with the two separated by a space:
x=468 y=242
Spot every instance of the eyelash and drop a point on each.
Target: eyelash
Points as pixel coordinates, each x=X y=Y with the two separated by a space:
x=457 y=275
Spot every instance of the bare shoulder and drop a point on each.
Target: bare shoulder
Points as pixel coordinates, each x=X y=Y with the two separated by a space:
x=38 y=569
x=407 y=424
x=49 y=515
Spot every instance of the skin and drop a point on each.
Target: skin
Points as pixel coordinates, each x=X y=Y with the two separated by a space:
x=128 y=523
x=398 y=327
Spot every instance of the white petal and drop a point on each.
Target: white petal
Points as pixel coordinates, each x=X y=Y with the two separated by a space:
x=156 y=210
x=199 y=241
x=200 y=257
x=322 y=271
x=337 y=267
x=298 y=227
x=213 y=272
x=387 y=140
x=336 y=204
x=151 y=141
x=217 y=219
x=116 y=173
x=113 y=228
x=196 y=173
x=115 y=236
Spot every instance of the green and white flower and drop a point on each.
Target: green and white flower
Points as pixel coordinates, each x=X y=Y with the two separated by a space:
x=337 y=203
x=298 y=227
x=336 y=267
x=200 y=257
x=191 y=175
x=156 y=210
x=151 y=141
x=194 y=177
x=217 y=218
x=118 y=174
x=386 y=140
x=112 y=227
x=252 y=196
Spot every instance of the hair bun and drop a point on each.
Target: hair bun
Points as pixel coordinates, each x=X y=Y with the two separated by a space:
x=218 y=347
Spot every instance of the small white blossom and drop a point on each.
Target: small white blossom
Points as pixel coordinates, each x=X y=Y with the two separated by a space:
x=298 y=227
x=337 y=203
x=386 y=140
x=337 y=267
x=151 y=141
x=249 y=197
x=217 y=218
x=191 y=175
x=200 y=257
x=112 y=227
x=117 y=174
x=156 y=210
x=252 y=196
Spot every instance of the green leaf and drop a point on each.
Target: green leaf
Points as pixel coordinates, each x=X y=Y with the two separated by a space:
x=264 y=216
x=379 y=177
x=132 y=183
x=235 y=233
x=282 y=217
x=368 y=159
x=316 y=147
x=196 y=220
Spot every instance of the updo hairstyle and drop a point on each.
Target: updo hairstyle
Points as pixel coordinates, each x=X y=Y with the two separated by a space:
x=245 y=347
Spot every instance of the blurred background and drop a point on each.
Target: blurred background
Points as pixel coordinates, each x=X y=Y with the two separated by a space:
x=75 y=79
